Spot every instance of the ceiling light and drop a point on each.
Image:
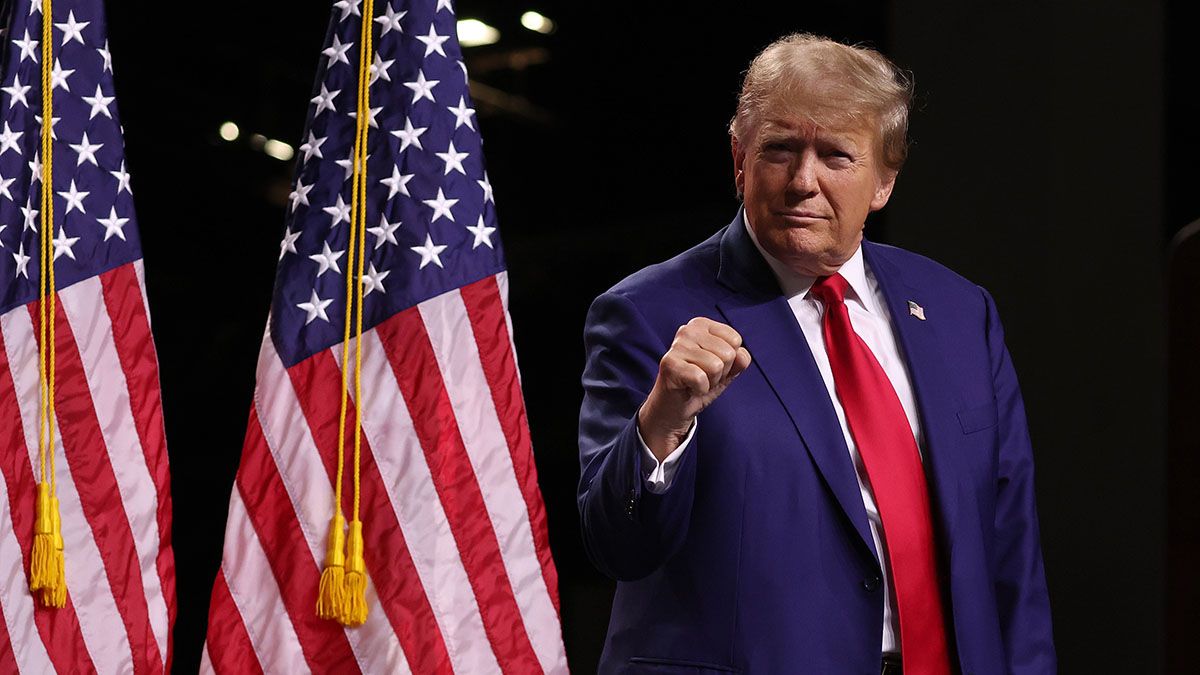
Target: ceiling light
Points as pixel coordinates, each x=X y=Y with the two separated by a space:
x=475 y=33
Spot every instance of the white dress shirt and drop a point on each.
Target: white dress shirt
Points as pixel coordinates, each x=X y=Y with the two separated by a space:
x=870 y=318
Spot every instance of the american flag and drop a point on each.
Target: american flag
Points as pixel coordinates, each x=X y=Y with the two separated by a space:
x=112 y=475
x=459 y=567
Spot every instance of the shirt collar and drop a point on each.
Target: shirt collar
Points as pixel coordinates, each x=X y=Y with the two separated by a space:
x=794 y=285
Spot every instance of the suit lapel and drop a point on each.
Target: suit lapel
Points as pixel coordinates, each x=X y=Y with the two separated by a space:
x=758 y=311
x=933 y=383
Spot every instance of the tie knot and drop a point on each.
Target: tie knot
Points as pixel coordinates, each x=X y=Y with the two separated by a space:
x=830 y=290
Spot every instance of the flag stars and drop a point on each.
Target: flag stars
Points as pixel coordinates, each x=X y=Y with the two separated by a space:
x=86 y=150
x=483 y=234
x=288 y=245
x=444 y=4
x=74 y=198
x=397 y=183
x=327 y=260
x=30 y=214
x=348 y=7
x=122 y=177
x=22 y=261
x=35 y=168
x=433 y=42
x=315 y=308
x=106 y=55
x=336 y=51
x=59 y=75
x=299 y=195
x=53 y=123
x=63 y=245
x=409 y=135
x=385 y=233
x=390 y=21
x=72 y=29
x=312 y=147
x=324 y=100
x=340 y=211
x=370 y=118
x=487 y=189
x=113 y=225
x=462 y=114
x=9 y=140
x=441 y=207
x=430 y=252
x=372 y=280
x=453 y=159
x=421 y=87
x=379 y=69
x=4 y=184
x=99 y=103
x=16 y=93
x=28 y=47
x=348 y=165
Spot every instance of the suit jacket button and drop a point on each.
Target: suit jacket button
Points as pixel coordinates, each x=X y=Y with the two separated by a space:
x=870 y=584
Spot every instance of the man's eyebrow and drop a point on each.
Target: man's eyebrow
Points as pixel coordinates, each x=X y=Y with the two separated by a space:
x=779 y=134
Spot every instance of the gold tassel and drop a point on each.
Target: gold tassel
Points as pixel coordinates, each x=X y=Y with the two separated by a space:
x=41 y=567
x=355 y=603
x=331 y=594
x=56 y=595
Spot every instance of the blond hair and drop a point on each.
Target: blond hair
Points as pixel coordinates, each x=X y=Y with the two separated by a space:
x=832 y=85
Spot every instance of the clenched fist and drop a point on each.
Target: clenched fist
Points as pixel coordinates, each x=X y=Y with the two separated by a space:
x=704 y=358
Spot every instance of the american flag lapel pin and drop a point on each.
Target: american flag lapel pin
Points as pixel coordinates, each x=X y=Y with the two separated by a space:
x=916 y=310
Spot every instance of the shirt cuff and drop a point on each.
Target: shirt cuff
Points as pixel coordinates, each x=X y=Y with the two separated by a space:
x=660 y=474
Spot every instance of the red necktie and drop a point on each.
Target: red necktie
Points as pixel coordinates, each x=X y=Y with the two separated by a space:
x=889 y=453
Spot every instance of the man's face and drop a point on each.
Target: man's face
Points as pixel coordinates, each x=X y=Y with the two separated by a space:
x=808 y=190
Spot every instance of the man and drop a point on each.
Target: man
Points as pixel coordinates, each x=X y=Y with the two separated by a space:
x=804 y=452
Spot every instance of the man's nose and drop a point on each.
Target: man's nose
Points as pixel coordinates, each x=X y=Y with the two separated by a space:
x=804 y=175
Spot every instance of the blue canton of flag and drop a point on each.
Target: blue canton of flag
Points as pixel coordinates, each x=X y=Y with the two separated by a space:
x=430 y=213
x=94 y=219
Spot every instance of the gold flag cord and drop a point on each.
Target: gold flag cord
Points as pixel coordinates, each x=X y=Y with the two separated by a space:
x=47 y=569
x=341 y=595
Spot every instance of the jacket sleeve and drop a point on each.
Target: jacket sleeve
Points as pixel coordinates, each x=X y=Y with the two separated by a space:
x=1023 y=601
x=628 y=531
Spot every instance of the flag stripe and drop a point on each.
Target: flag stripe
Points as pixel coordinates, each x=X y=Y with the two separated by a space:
x=311 y=491
x=100 y=497
x=257 y=596
x=296 y=572
x=61 y=631
x=415 y=501
x=16 y=536
x=8 y=660
x=489 y=325
x=235 y=653
x=106 y=384
x=415 y=367
x=19 y=626
x=446 y=319
x=317 y=383
x=130 y=322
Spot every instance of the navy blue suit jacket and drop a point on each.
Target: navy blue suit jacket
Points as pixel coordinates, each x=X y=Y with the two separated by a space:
x=759 y=558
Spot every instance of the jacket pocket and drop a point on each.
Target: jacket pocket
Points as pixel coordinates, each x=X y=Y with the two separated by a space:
x=653 y=664
x=977 y=418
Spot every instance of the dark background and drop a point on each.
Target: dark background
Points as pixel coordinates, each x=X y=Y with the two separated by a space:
x=1053 y=159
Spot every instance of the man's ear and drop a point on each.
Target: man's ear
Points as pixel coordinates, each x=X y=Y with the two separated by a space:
x=739 y=161
x=883 y=190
